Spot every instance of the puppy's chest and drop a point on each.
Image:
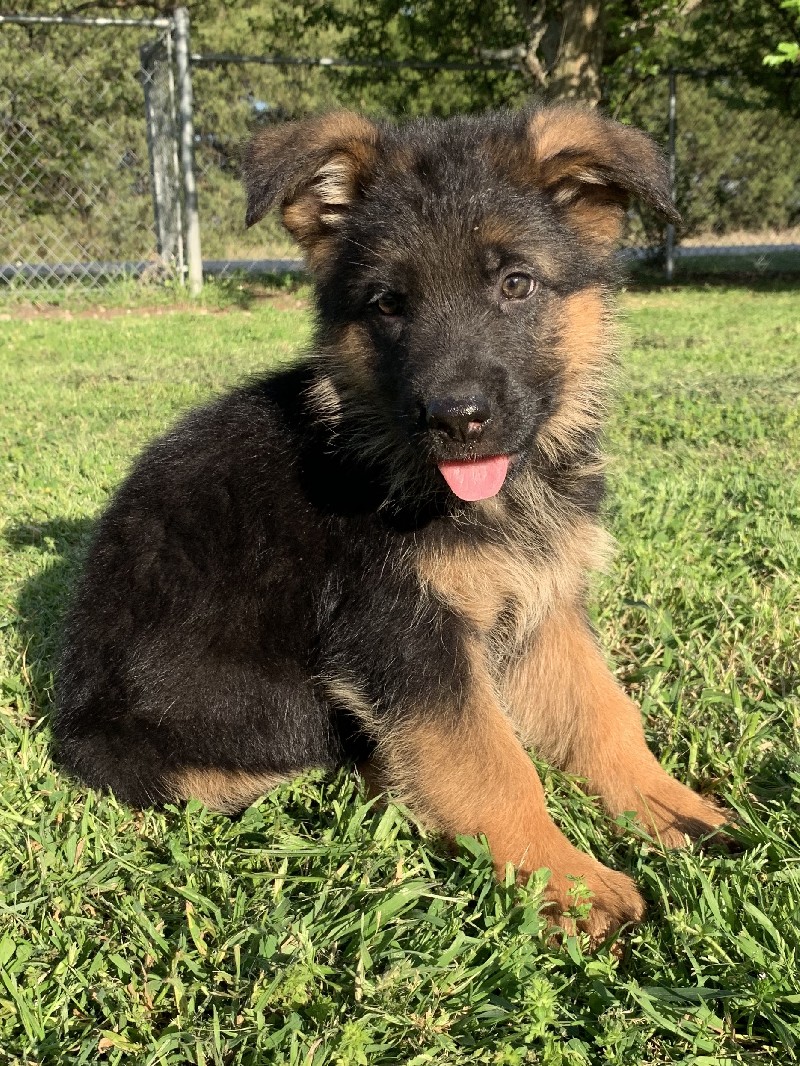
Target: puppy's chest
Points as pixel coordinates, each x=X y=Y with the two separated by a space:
x=505 y=591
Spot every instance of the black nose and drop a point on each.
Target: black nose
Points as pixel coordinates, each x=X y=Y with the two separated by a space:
x=461 y=419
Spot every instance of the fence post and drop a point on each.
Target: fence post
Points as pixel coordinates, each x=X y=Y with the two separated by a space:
x=673 y=110
x=193 y=254
x=158 y=84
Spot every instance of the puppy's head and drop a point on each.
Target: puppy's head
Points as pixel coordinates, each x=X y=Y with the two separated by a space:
x=462 y=269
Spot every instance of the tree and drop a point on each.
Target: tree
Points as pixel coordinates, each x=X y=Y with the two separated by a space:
x=519 y=47
x=76 y=170
x=787 y=51
x=734 y=36
x=577 y=70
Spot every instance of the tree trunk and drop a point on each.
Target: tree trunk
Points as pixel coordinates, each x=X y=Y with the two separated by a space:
x=577 y=69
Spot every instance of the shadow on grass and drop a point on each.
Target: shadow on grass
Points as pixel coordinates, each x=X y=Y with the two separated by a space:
x=44 y=599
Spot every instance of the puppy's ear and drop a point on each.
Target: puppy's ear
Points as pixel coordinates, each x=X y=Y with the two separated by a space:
x=314 y=169
x=591 y=166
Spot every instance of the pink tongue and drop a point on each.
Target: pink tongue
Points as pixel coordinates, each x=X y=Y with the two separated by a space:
x=476 y=479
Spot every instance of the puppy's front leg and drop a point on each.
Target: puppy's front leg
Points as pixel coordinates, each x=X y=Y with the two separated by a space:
x=462 y=769
x=568 y=706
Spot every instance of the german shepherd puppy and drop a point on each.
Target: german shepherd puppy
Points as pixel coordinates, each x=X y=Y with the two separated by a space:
x=381 y=553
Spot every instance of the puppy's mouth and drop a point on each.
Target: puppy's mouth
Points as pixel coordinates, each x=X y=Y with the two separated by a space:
x=475 y=479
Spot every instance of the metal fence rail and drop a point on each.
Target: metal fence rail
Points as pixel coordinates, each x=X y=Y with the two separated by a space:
x=119 y=150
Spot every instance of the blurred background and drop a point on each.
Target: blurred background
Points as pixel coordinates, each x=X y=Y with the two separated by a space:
x=121 y=124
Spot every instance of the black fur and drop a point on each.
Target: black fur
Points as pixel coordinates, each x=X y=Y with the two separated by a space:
x=240 y=560
x=268 y=542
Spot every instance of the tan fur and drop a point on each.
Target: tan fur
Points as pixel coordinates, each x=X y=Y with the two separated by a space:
x=497 y=231
x=303 y=219
x=343 y=127
x=567 y=705
x=374 y=780
x=575 y=154
x=483 y=580
x=597 y=219
x=343 y=692
x=326 y=399
x=346 y=145
x=560 y=130
x=300 y=218
x=400 y=157
x=569 y=151
x=346 y=363
x=471 y=775
x=333 y=184
x=355 y=358
x=227 y=791
x=584 y=344
x=584 y=327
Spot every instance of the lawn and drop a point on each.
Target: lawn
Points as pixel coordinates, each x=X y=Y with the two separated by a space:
x=318 y=929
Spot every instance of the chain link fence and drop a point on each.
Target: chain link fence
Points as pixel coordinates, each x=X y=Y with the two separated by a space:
x=88 y=164
x=235 y=92
x=735 y=162
x=119 y=156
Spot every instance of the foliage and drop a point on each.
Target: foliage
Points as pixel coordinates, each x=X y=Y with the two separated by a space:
x=319 y=929
x=737 y=159
x=787 y=51
x=76 y=180
x=75 y=167
x=429 y=31
x=729 y=36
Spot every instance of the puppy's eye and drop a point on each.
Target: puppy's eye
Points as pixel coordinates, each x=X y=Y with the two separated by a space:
x=518 y=286
x=390 y=303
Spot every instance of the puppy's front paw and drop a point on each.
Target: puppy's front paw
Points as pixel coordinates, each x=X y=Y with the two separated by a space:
x=613 y=899
x=675 y=815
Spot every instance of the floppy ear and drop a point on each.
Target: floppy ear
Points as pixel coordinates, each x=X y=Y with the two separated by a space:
x=591 y=167
x=313 y=169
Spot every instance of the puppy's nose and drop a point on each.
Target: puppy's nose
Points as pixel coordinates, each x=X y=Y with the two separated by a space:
x=461 y=419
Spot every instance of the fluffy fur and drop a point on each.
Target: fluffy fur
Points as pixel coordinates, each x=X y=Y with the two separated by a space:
x=285 y=579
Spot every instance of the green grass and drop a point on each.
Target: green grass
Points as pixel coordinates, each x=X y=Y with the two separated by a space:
x=319 y=930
